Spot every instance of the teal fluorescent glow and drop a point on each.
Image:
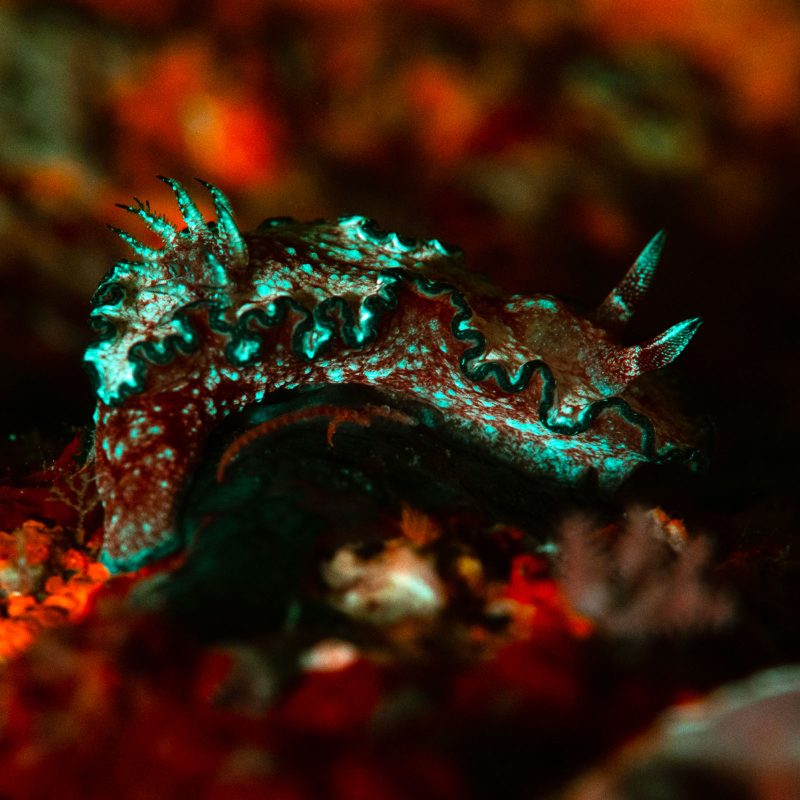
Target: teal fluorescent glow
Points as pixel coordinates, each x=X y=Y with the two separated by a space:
x=204 y=323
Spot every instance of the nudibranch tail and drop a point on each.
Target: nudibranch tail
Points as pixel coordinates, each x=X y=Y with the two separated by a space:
x=620 y=304
x=218 y=320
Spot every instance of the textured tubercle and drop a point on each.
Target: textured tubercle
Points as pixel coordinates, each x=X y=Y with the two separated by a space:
x=620 y=305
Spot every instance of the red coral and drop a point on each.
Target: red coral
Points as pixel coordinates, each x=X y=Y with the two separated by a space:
x=334 y=703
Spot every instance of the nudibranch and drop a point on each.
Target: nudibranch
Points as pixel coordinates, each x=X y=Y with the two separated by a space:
x=217 y=320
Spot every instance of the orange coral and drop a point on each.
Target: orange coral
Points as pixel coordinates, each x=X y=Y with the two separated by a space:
x=186 y=105
x=537 y=601
x=420 y=529
x=45 y=583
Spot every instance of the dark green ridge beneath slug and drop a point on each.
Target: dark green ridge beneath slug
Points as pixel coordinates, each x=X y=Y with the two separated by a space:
x=255 y=542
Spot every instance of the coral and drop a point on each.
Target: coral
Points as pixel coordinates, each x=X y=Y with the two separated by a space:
x=22 y=555
x=240 y=317
x=49 y=570
x=44 y=581
x=77 y=491
x=395 y=584
x=644 y=577
x=735 y=742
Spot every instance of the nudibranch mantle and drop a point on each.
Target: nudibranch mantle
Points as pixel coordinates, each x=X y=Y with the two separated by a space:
x=216 y=320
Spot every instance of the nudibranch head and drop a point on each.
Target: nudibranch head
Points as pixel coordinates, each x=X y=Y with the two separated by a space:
x=218 y=320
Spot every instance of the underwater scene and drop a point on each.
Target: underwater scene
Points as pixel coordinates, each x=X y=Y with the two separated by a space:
x=400 y=399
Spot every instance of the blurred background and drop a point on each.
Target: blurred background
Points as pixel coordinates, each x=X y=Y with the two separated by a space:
x=550 y=140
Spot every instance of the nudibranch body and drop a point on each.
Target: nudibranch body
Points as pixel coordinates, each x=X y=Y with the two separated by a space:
x=217 y=320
